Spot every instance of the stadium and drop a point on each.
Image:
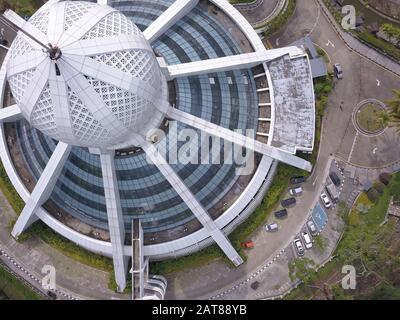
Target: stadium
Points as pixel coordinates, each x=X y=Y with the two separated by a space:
x=98 y=98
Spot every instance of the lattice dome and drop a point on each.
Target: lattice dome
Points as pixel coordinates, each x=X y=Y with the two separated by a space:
x=104 y=88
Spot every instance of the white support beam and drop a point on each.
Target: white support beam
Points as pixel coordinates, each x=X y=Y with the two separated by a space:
x=239 y=139
x=28 y=28
x=10 y=114
x=239 y=61
x=115 y=219
x=81 y=87
x=168 y=18
x=193 y=204
x=43 y=188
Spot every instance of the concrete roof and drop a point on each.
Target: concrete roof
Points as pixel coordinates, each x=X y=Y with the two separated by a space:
x=294 y=104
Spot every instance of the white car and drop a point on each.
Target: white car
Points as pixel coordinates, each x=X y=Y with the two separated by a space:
x=271 y=227
x=312 y=228
x=299 y=247
x=325 y=199
x=307 y=240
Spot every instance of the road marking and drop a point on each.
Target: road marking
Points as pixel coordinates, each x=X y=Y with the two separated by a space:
x=375 y=150
x=330 y=43
x=277 y=42
x=315 y=180
x=353 y=147
x=378 y=83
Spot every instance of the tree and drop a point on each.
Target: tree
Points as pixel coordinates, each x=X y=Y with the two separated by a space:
x=394 y=110
x=302 y=269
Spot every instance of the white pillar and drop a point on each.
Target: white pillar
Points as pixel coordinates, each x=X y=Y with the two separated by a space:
x=168 y=18
x=115 y=219
x=229 y=63
x=239 y=139
x=193 y=204
x=10 y=114
x=43 y=188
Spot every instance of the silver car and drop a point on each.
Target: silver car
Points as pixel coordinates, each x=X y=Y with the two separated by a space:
x=312 y=228
x=271 y=227
x=299 y=247
x=337 y=69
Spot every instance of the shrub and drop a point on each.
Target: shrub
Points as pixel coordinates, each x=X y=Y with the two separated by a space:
x=385 y=178
x=379 y=186
x=373 y=195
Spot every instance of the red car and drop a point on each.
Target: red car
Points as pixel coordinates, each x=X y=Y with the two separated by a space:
x=247 y=245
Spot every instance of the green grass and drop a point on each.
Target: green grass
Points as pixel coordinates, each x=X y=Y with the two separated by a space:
x=13 y=289
x=279 y=21
x=67 y=247
x=22 y=7
x=368 y=118
x=9 y=192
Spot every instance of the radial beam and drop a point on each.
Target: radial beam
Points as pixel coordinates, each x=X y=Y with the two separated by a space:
x=10 y=114
x=43 y=188
x=91 y=99
x=239 y=139
x=193 y=204
x=115 y=218
x=27 y=27
x=168 y=18
x=239 y=61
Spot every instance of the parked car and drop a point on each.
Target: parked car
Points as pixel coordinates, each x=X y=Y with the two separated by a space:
x=297 y=180
x=338 y=71
x=247 y=244
x=282 y=214
x=326 y=201
x=288 y=202
x=271 y=227
x=335 y=179
x=52 y=295
x=333 y=192
x=299 y=247
x=295 y=192
x=307 y=240
x=312 y=228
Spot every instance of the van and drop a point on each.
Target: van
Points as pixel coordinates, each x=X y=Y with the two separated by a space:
x=282 y=214
x=288 y=202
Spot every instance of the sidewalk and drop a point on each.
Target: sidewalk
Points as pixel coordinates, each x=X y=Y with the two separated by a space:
x=357 y=46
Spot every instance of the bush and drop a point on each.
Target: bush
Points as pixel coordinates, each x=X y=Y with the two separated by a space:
x=379 y=186
x=385 y=178
x=373 y=195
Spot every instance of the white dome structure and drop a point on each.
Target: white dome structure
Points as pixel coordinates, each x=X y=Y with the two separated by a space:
x=100 y=84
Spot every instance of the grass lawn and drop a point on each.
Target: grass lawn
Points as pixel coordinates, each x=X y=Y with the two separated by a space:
x=14 y=289
x=22 y=7
x=368 y=118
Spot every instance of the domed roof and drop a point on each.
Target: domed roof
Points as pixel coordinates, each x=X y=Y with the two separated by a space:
x=98 y=85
